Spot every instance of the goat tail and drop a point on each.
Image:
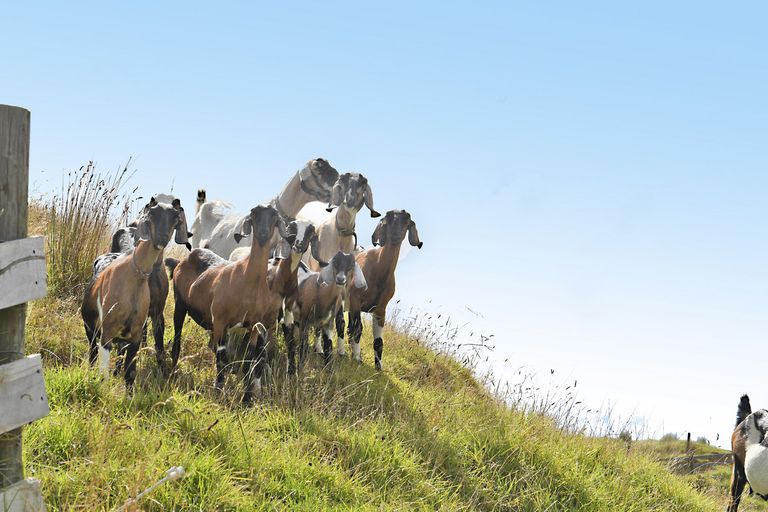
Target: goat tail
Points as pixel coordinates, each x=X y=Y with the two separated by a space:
x=744 y=409
x=170 y=264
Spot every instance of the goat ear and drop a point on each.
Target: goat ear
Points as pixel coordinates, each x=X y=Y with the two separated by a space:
x=142 y=230
x=368 y=197
x=280 y=224
x=152 y=202
x=245 y=230
x=360 y=281
x=182 y=234
x=283 y=249
x=337 y=195
x=314 y=245
x=379 y=236
x=413 y=235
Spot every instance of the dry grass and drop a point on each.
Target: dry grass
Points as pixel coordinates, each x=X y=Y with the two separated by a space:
x=77 y=224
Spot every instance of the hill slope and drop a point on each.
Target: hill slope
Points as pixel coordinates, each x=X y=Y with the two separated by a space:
x=423 y=435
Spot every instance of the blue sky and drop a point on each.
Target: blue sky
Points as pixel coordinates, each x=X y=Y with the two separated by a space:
x=592 y=177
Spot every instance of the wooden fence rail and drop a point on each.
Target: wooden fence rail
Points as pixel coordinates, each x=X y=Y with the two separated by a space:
x=22 y=278
x=687 y=464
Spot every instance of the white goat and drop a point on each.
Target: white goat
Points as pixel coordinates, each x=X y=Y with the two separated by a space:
x=312 y=183
x=337 y=233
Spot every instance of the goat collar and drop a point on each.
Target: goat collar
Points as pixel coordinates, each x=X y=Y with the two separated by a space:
x=344 y=231
x=142 y=274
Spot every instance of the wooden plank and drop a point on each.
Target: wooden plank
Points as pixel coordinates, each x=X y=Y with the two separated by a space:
x=22 y=393
x=14 y=194
x=22 y=271
x=23 y=496
x=14 y=171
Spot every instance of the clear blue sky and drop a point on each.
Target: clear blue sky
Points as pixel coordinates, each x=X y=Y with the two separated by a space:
x=593 y=177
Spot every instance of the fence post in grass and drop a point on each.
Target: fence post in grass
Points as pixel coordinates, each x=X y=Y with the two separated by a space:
x=22 y=278
x=688 y=443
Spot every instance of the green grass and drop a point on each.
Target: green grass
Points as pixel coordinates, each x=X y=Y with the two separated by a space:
x=422 y=435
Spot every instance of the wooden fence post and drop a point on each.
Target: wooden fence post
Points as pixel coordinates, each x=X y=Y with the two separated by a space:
x=14 y=183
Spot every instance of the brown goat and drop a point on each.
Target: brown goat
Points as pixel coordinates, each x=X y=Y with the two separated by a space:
x=378 y=265
x=123 y=242
x=317 y=302
x=117 y=300
x=221 y=295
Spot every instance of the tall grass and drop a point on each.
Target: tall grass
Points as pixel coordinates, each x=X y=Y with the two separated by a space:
x=78 y=224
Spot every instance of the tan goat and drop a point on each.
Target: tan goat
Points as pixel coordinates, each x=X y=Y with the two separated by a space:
x=221 y=295
x=378 y=265
x=116 y=302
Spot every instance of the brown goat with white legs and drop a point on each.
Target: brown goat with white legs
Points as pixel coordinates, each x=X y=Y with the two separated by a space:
x=378 y=265
x=283 y=274
x=318 y=300
x=223 y=295
x=123 y=241
x=116 y=302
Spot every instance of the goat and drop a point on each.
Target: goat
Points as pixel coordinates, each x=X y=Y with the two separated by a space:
x=207 y=215
x=750 y=453
x=378 y=265
x=221 y=295
x=317 y=301
x=122 y=243
x=337 y=232
x=313 y=182
x=117 y=300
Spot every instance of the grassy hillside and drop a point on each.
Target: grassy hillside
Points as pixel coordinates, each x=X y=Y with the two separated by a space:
x=423 y=435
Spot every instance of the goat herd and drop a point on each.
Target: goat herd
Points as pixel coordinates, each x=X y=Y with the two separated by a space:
x=299 y=275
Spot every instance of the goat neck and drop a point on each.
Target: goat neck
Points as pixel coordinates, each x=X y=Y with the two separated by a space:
x=292 y=198
x=388 y=255
x=345 y=221
x=286 y=274
x=145 y=256
x=256 y=266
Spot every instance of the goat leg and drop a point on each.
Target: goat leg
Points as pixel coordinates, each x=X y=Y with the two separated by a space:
x=378 y=341
x=738 y=480
x=93 y=340
x=221 y=360
x=340 y=348
x=327 y=333
x=158 y=331
x=303 y=347
x=179 y=315
x=131 y=349
x=290 y=343
x=318 y=340
x=355 y=332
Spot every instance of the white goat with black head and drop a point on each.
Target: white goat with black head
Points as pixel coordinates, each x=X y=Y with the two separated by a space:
x=117 y=300
x=337 y=233
x=312 y=183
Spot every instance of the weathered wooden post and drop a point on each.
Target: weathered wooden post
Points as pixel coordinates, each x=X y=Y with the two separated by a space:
x=22 y=278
